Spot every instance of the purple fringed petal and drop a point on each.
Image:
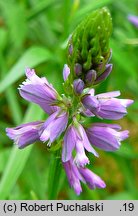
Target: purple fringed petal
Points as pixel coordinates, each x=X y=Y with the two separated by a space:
x=58 y=126
x=76 y=137
x=113 y=126
x=108 y=95
x=73 y=176
x=81 y=159
x=101 y=138
x=106 y=105
x=69 y=144
x=76 y=174
x=25 y=134
x=123 y=135
x=39 y=91
x=126 y=102
x=111 y=109
x=93 y=180
x=85 y=141
x=106 y=136
x=54 y=126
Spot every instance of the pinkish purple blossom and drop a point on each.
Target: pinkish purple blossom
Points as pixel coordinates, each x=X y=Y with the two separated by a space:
x=39 y=91
x=77 y=174
x=76 y=138
x=66 y=72
x=65 y=121
x=106 y=136
x=54 y=126
x=25 y=134
x=106 y=105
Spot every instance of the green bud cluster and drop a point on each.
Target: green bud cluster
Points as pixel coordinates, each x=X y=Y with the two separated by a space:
x=89 y=44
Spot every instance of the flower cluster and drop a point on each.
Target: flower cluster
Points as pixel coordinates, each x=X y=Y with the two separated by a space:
x=67 y=113
x=77 y=137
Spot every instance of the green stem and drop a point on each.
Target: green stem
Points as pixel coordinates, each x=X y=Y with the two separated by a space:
x=54 y=176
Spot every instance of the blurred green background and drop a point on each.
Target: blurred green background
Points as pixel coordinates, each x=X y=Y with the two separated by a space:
x=34 y=33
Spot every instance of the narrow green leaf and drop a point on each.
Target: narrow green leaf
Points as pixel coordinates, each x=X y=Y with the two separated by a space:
x=18 y=158
x=118 y=55
x=54 y=176
x=15 y=19
x=40 y=8
x=14 y=105
x=32 y=57
x=4 y=155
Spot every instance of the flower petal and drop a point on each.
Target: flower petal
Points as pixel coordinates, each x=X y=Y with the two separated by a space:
x=69 y=144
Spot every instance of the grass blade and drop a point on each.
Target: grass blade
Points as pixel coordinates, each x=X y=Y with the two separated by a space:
x=17 y=158
x=32 y=57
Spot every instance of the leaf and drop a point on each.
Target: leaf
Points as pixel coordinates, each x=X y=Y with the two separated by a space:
x=15 y=19
x=40 y=8
x=121 y=58
x=54 y=173
x=121 y=196
x=18 y=158
x=14 y=106
x=31 y=58
x=4 y=155
x=3 y=38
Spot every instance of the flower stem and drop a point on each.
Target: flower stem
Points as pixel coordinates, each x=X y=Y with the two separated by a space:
x=54 y=176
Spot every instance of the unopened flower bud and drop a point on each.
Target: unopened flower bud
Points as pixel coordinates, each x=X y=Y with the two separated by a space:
x=90 y=42
x=78 y=69
x=66 y=72
x=105 y=74
x=78 y=85
x=70 y=49
x=90 y=77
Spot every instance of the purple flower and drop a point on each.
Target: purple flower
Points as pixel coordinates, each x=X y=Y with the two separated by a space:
x=105 y=74
x=73 y=176
x=133 y=19
x=75 y=137
x=106 y=136
x=78 y=69
x=78 y=85
x=66 y=72
x=76 y=175
x=106 y=105
x=91 y=179
x=90 y=77
x=77 y=140
x=39 y=91
x=54 y=126
x=25 y=134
